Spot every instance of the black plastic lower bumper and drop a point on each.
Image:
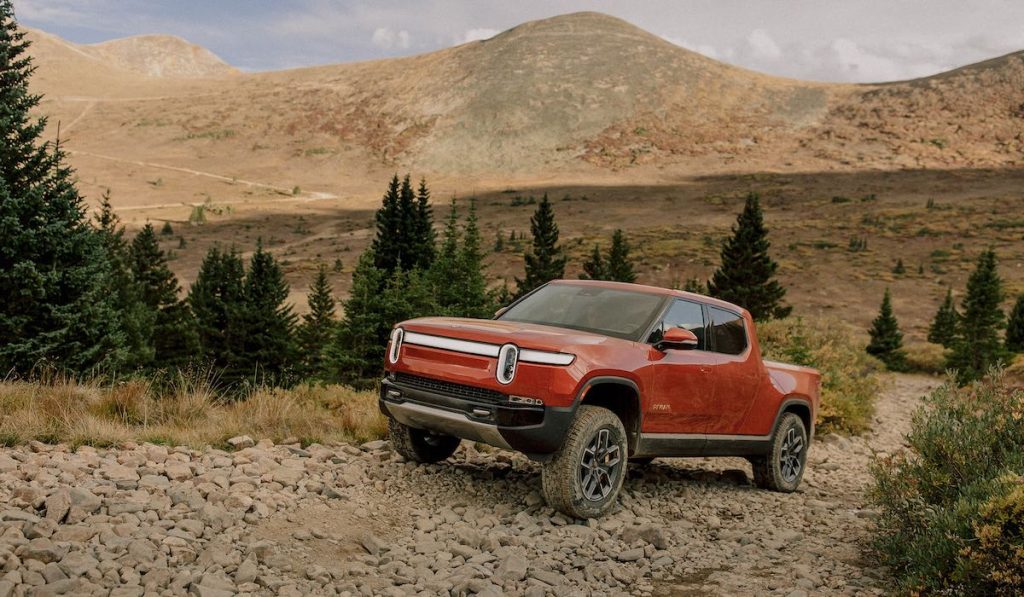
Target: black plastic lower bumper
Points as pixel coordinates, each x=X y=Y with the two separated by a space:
x=537 y=431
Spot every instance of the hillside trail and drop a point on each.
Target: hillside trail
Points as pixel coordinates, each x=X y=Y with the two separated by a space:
x=288 y=194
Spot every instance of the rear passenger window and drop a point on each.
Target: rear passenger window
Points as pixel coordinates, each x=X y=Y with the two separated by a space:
x=682 y=314
x=728 y=332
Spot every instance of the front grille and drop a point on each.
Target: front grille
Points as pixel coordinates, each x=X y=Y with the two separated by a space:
x=450 y=389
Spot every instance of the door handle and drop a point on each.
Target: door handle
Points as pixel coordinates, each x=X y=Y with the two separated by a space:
x=704 y=369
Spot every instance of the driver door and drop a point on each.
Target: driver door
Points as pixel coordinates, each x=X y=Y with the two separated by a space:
x=681 y=402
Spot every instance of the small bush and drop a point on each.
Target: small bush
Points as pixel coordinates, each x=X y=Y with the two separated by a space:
x=951 y=510
x=925 y=357
x=849 y=377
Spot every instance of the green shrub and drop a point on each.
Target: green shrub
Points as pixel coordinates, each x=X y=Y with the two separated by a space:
x=925 y=357
x=951 y=510
x=849 y=377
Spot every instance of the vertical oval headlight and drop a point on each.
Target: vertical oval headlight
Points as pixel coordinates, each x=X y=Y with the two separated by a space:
x=508 y=358
x=396 y=344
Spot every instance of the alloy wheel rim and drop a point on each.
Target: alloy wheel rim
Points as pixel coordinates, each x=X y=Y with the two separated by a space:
x=791 y=455
x=599 y=466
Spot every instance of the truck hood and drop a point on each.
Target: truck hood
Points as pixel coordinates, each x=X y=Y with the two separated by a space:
x=524 y=335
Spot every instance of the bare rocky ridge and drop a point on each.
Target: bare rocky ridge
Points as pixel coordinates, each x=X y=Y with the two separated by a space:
x=284 y=520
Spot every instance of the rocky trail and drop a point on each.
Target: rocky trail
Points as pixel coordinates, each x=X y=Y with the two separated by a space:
x=268 y=519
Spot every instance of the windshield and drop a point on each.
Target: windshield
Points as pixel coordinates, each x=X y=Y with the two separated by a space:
x=609 y=311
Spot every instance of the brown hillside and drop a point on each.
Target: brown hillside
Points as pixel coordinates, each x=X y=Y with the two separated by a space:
x=659 y=140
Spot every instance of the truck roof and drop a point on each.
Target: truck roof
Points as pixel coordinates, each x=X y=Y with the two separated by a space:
x=656 y=290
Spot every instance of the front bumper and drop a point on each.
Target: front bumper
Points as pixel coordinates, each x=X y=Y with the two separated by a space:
x=537 y=431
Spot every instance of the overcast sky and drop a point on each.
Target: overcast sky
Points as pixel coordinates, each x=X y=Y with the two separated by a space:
x=847 y=40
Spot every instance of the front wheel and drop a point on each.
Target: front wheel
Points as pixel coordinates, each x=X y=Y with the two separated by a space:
x=584 y=477
x=420 y=445
x=783 y=467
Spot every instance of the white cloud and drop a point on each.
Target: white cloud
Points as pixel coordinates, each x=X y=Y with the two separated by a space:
x=763 y=46
x=477 y=35
x=387 y=38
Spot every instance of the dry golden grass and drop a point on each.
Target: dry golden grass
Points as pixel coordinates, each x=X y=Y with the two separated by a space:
x=190 y=412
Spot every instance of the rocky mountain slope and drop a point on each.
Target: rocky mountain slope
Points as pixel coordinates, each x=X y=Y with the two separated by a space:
x=582 y=93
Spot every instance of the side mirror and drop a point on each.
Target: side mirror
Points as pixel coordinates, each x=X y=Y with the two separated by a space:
x=678 y=338
x=498 y=313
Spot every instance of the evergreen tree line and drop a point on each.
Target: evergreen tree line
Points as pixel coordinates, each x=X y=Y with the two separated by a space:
x=971 y=335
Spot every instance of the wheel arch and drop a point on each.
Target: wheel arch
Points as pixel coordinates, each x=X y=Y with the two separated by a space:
x=619 y=395
x=801 y=407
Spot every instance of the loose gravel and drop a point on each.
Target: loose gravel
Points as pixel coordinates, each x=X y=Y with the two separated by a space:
x=266 y=519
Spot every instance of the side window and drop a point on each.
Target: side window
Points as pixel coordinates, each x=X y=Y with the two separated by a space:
x=683 y=314
x=728 y=331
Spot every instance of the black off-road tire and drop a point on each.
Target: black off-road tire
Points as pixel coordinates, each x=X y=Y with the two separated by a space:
x=783 y=467
x=420 y=445
x=574 y=463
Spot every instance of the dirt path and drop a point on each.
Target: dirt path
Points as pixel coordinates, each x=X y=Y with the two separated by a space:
x=342 y=520
x=302 y=196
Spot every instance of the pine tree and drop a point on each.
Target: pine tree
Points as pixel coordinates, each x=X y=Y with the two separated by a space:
x=318 y=326
x=378 y=300
x=386 y=248
x=620 y=267
x=458 y=274
x=217 y=301
x=886 y=338
x=174 y=340
x=747 y=274
x=1015 y=327
x=268 y=323
x=943 y=328
x=899 y=269
x=55 y=301
x=545 y=261
x=444 y=274
x=425 y=238
x=136 y=318
x=593 y=267
x=408 y=241
x=977 y=345
x=476 y=301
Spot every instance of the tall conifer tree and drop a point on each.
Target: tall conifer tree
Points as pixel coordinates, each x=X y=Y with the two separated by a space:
x=318 y=326
x=55 y=301
x=174 y=339
x=425 y=237
x=545 y=261
x=886 y=337
x=268 y=323
x=746 y=276
x=217 y=300
x=593 y=267
x=137 y=318
x=977 y=345
x=620 y=267
x=943 y=328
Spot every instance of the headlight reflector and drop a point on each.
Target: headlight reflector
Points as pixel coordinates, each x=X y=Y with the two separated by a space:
x=508 y=358
x=397 y=335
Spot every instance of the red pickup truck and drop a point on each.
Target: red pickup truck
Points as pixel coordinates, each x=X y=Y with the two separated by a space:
x=584 y=376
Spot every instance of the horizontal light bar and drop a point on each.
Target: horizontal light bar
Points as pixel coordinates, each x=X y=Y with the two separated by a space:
x=546 y=358
x=466 y=346
x=484 y=349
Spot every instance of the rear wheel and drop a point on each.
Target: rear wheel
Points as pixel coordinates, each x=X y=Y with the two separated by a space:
x=584 y=477
x=420 y=445
x=783 y=467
